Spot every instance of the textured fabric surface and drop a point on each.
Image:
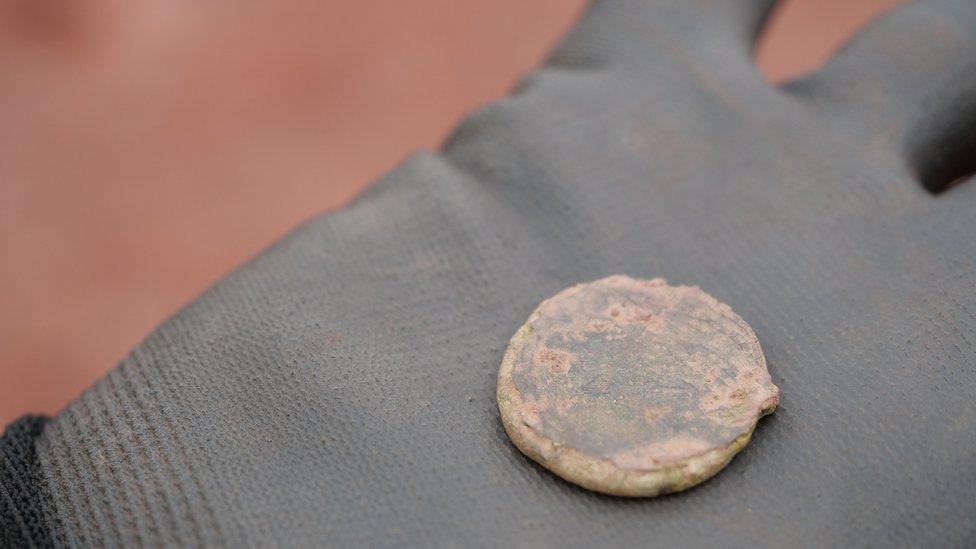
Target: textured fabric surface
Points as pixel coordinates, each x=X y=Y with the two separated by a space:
x=339 y=389
x=22 y=507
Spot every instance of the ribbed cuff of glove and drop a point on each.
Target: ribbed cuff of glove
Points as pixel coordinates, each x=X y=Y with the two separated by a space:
x=21 y=498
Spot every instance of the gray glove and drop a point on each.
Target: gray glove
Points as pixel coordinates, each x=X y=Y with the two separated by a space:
x=340 y=389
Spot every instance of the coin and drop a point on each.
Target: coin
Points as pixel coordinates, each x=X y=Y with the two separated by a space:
x=633 y=387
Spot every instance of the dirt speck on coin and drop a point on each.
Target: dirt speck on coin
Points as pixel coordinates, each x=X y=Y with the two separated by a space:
x=633 y=387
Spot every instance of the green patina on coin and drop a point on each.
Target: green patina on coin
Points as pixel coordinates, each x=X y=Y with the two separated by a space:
x=633 y=387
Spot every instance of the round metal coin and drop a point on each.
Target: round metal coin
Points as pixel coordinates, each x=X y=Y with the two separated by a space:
x=633 y=387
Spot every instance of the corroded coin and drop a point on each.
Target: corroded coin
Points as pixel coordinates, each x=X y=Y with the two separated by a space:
x=633 y=387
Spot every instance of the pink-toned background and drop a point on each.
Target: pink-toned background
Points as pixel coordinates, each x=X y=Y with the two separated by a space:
x=147 y=148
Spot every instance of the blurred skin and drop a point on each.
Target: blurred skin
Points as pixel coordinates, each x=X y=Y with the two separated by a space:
x=147 y=148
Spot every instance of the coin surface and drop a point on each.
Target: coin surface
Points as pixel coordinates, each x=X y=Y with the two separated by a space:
x=633 y=387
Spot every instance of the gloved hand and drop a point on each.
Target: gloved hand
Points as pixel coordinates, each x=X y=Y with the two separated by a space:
x=340 y=389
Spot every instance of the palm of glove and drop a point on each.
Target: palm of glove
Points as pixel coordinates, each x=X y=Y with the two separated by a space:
x=341 y=387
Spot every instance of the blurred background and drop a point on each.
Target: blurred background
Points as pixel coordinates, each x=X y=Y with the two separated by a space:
x=147 y=148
